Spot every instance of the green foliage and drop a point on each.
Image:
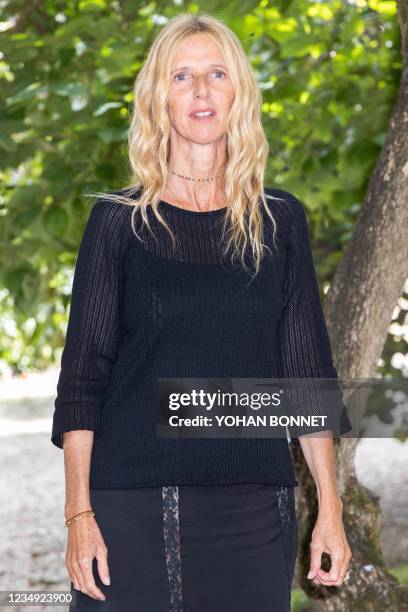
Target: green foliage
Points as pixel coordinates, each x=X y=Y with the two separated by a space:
x=400 y=572
x=300 y=601
x=329 y=74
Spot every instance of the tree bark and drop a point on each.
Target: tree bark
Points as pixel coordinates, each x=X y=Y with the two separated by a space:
x=358 y=309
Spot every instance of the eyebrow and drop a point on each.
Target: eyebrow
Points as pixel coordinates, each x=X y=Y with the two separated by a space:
x=209 y=65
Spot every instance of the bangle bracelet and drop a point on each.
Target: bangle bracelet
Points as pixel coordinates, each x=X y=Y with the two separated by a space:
x=79 y=516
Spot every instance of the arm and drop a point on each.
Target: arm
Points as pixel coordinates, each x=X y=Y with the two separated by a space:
x=305 y=350
x=305 y=353
x=77 y=461
x=85 y=540
x=328 y=534
x=92 y=339
x=94 y=328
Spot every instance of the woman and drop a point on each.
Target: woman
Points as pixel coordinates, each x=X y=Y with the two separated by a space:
x=201 y=524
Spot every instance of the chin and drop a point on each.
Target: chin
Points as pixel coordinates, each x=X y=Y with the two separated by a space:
x=203 y=140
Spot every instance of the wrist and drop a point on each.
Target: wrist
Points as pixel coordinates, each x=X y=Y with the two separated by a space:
x=76 y=509
x=331 y=504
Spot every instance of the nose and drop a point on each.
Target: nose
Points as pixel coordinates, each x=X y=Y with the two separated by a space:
x=200 y=87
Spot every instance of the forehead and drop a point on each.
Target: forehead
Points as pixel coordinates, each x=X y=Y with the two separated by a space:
x=197 y=48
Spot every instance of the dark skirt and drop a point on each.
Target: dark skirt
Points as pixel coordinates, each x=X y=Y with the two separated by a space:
x=195 y=548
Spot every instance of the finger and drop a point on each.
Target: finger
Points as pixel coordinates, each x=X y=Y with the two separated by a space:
x=340 y=559
x=332 y=577
x=74 y=580
x=345 y=566
x=102 y=564
x=345 y=578
x=315 y=561
x=90 y=587
x=71 y=574
x=343 y=571
x=78 y=578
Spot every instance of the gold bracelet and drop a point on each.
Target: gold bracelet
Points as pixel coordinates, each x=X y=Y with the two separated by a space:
x=79 y=516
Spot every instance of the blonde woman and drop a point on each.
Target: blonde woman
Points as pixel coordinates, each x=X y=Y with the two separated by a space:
x=194 y=270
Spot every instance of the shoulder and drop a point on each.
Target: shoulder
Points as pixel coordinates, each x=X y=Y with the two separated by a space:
x=110 y=220
x=287 y=210
x=110 y=213
x=283 y=201
x=108 y=209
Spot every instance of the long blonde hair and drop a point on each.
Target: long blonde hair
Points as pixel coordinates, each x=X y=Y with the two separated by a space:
x=247 y=146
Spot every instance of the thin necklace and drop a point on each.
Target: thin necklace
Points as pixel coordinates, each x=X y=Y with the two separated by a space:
x=198 y=180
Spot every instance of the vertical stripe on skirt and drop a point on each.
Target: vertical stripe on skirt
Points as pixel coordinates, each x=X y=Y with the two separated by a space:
x=171 y=533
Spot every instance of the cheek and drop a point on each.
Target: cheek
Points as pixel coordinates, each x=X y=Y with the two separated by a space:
x=224 y=98
x=177 y=106
x=224 y=109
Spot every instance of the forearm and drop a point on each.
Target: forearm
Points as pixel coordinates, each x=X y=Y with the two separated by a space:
x=77 y=460
x=319 y=454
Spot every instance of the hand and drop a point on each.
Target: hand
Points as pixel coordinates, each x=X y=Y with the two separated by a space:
x=329 y=536
x=85 y=542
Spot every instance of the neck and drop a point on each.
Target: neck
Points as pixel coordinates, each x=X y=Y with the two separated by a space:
x=196 y=161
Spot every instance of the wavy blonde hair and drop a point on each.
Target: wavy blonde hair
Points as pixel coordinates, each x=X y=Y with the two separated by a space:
x=247 y=146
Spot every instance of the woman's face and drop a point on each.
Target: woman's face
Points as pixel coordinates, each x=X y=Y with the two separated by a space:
x=199 y=81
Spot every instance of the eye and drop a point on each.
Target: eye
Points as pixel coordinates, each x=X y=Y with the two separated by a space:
x=180 y=74
x=219 y=72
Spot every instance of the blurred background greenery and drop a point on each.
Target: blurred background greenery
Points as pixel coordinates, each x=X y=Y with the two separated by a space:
x=328 y=72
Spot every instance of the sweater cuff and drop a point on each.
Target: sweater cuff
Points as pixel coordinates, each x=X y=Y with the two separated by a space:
x=342 y=428
x=77 y=417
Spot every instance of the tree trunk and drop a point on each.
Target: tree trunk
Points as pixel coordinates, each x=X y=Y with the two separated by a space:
x=358 y=310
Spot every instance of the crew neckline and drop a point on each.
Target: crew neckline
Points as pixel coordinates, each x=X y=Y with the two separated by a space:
x=192 y=213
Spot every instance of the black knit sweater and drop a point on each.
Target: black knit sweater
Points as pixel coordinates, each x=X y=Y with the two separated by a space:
x=142 y=310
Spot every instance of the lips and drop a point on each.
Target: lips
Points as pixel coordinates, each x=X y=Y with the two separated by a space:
x=194 y=112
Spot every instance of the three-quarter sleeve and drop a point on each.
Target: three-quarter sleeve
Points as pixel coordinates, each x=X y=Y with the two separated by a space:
x=94 y=326
x=304 y=344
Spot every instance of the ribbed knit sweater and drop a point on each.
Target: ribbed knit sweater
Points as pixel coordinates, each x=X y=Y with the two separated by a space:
x=143 y=310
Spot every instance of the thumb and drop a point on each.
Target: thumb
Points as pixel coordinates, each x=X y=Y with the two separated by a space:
x=315 y=561
x=103 y=568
